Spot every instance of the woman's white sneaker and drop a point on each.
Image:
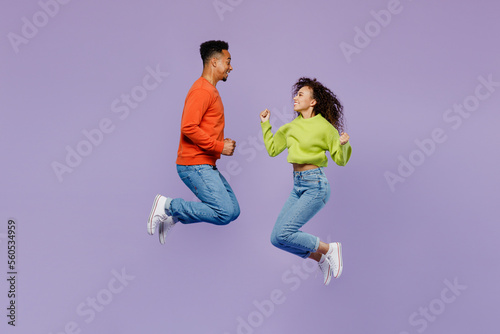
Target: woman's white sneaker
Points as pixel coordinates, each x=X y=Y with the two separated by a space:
x=334 y=257
x=325 y=267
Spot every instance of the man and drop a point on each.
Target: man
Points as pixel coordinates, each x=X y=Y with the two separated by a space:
x=201 y=144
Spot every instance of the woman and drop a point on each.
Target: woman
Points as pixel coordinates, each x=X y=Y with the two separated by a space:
x=308 y=137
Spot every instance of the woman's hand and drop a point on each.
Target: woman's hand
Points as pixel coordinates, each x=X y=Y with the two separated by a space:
x=264 y=116
x=344 y=138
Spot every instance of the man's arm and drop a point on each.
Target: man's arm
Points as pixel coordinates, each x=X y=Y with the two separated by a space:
x=196 y=105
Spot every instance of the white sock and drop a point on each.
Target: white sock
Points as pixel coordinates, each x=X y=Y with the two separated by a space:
x=168 y=201
x=167 y=205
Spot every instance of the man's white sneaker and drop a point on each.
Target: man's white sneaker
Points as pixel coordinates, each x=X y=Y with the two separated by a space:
x=164 y=227
x=157 y=213
x=334 y=257
x=325 y=267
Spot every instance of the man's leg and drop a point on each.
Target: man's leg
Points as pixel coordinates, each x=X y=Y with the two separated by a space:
x=235 y=206
x=218 y=204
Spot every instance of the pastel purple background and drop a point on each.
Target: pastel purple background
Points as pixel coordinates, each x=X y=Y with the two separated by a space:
x=399 y=246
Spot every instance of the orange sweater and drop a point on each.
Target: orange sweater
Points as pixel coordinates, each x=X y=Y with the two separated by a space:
x=202 y=125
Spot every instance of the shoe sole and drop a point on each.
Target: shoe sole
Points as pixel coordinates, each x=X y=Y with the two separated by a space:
x=151 y=230
x=160 y=231
x=339 y=254
x=329 y=277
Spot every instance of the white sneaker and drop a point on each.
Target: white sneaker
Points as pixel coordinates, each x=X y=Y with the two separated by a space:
x=164 y=227
x=157 y=213
x=325 y=267
x=334 y=257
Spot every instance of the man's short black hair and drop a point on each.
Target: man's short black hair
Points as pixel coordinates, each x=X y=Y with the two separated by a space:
x=209 y=48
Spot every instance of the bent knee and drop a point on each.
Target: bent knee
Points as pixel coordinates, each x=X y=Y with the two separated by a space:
x=236 y=213
x=227 y=215
x=278 y=240
x=225 y=218
x=274 y=241
x=224 y=221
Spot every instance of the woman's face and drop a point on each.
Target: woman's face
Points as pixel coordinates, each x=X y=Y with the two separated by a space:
x=303 y=101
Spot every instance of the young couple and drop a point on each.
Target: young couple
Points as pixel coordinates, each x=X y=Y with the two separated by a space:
x=313 y=132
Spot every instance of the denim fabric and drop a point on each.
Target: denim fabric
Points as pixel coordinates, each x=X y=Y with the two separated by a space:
x=218 y=205
x=310 y=193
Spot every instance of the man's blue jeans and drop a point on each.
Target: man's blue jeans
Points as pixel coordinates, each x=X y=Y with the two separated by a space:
x=310 y=193
x=218 y=205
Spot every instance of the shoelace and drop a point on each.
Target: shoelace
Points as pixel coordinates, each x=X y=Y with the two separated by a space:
x=324 y=267
x=334 y=266
x=162 y=217
x=167 y=225
x=158 y=219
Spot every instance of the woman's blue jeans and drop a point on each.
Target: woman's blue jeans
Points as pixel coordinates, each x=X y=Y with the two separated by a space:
x=310 y=193
x=218 y=205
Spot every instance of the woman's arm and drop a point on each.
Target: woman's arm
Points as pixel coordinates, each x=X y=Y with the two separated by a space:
x=274 y=144
x=340 y=148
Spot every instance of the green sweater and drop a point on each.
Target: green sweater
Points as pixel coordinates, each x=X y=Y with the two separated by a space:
x=307 y=140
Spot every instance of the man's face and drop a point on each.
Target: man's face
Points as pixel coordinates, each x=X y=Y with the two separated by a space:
x=224 y=65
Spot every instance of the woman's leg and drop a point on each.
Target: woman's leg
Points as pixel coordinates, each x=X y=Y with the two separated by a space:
x=322 y=250
x=309 y=195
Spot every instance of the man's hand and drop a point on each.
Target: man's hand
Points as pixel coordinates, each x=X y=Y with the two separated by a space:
x=229 y=146
x=264 y=116
x=344 y=138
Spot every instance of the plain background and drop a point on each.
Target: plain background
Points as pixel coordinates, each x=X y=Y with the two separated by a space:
x=403 y=245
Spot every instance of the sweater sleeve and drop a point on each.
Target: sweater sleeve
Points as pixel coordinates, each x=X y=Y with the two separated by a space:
x=274 y=144
x=196 y=105
x=339 y=153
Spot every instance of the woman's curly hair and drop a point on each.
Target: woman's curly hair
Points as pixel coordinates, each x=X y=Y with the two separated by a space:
x=327 y=103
